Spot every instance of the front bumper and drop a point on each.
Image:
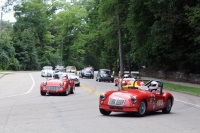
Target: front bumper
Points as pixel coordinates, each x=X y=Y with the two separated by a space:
x=53 y=89
x=119 y=108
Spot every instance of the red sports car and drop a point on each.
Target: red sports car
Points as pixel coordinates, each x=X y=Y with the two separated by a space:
x=128 y=82
x=58 y=85
x=147 y=98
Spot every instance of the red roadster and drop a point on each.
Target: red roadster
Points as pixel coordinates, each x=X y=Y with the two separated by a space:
x=147 y=98
x=128 y=82
x=58 y=85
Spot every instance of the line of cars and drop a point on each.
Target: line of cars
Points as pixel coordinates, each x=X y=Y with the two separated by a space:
x=133 y=95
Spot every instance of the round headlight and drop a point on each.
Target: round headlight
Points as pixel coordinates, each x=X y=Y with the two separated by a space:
x=45 y=83
x=61 y=83
x=134 y=99
x=102 y=96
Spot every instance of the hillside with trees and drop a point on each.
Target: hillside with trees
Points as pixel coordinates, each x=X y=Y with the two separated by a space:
x=158 y=34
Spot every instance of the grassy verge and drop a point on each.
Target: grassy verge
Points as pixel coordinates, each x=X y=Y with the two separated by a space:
x=186 y=89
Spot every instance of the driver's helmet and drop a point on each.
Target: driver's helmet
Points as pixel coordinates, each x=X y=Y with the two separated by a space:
x=153 y=85
x=125 y=75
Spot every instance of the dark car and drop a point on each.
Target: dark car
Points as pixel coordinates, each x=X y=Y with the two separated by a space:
x=87 y=73
x=105 y=75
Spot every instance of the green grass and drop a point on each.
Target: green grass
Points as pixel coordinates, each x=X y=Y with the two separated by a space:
x=186 y=89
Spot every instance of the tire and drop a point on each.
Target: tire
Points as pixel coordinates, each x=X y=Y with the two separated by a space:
x=78 y=84
x=72 y=90
x=104 y=112
x=115 y=84
x=142 y=109
x=168 y=106
x=42 y=93
x=66 y=93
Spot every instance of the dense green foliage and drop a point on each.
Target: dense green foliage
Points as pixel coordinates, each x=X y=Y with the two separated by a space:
x=162 y=34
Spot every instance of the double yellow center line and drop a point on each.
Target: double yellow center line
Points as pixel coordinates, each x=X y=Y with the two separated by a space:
x=90 y=90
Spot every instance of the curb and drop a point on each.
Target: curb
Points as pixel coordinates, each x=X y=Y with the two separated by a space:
x=2 y=74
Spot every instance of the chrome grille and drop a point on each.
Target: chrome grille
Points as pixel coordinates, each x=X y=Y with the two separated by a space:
x=116 y=102
x=52 y=88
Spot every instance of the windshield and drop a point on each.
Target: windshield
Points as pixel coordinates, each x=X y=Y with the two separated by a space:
x=71 y=67
x=105 y=72
x=63 y=77
x=59 y=67
x=47 y=68
x=144 y=87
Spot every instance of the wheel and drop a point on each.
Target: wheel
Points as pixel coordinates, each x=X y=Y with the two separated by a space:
x=115 y=84
x=67 y=91
x=142 y=109
x=78 y=84
x=104 y=112
x=112 y=81
x=168 y=106
x=42 y=93
x=72 y=90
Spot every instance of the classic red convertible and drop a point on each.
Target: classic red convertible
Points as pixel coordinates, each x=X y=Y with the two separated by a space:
x=147 y=98
x=128 y=82
x=58 y=85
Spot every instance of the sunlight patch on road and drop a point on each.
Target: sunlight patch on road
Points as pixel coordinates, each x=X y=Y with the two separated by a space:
x=90 y=90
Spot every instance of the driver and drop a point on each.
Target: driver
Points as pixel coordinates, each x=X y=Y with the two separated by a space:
x=153 y=86
x=126 y=76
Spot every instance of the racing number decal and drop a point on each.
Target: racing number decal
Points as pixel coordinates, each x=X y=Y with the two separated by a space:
x=160 y=102
x=153 y=100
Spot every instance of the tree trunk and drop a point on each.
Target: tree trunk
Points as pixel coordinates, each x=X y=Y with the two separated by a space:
x=120 y=46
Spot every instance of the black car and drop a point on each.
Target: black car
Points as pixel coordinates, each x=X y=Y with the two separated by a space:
x=88 y=73
x=105 y=75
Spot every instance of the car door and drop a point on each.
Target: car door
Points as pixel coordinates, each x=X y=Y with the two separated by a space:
x=159 y=99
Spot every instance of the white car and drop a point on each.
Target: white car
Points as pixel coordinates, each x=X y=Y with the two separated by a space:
x=47 y=71
x=74 y=77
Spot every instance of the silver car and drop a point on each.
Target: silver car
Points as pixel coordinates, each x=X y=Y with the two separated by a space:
x=47 y=71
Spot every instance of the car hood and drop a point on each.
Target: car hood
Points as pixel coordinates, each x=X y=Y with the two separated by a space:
x=54 y=82
x=74 y=77
x=128 y=93
x=47 y=70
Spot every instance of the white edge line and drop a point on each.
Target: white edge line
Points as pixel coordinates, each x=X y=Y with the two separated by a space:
x=25 y=92
x=187 y=103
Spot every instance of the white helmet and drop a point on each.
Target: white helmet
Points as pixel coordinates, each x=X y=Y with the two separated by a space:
x=126 y=76
x=153 y=85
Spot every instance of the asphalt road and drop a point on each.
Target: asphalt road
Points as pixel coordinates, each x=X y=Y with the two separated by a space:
x=24 y=110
